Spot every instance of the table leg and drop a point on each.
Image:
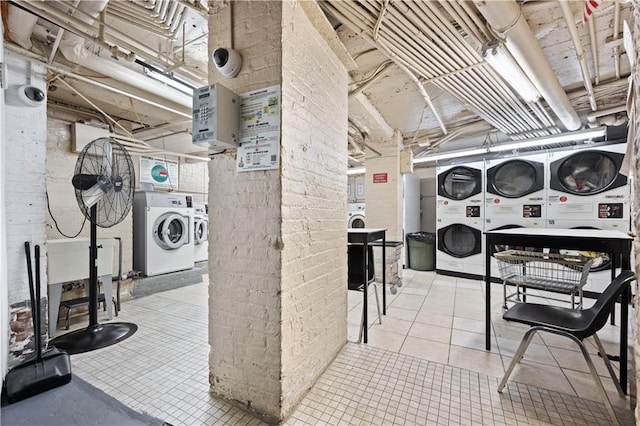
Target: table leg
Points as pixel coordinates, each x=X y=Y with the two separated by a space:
x=625 y=264
x=384 y=273
x=365 y=274
x=487 y=290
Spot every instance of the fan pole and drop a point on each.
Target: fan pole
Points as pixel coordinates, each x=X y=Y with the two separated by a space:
x=93 y=270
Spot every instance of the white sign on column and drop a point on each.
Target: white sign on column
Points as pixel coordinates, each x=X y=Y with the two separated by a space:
x=259 y=130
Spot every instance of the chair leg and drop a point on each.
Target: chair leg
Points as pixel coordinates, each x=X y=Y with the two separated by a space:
x=361 y=333
x=524 y=344
x=612 y=373
x=596 y=378
x=375 y=290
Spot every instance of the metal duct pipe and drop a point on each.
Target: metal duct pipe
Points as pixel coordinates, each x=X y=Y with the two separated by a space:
x=506 y=19
x=577 y=44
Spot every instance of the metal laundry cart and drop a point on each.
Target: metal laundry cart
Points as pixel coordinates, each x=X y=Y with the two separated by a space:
x=554 y=272
x=393 y=253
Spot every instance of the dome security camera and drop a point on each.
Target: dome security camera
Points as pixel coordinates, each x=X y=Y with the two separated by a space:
x=25 y=95
x=227 y=61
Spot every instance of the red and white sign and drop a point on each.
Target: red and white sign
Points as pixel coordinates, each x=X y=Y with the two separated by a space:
x=380 y=178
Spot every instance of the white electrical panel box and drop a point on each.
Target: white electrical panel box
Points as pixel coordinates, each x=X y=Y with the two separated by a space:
x=216 y=111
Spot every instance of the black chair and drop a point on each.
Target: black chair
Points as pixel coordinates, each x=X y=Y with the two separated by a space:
x=357 y=282
x=577 y=325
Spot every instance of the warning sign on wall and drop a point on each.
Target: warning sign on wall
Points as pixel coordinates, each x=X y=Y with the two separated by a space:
x=380 y=178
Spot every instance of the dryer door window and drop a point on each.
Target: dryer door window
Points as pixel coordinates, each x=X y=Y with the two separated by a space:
x=587 y=173
x=516 y=178
x=171 y=231
x=459 y=240
x=201 y=230
x=460 y=183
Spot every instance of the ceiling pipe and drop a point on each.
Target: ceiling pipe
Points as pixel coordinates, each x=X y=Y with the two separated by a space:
x=407 y=35
x=577 y=44
x=72 y=47
x=507 y=21
x=594 y=50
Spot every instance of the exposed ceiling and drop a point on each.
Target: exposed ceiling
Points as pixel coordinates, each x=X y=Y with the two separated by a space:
x=417 y=67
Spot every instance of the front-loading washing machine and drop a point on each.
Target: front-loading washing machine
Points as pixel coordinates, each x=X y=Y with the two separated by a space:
x=355 y=215
x=460 y=248
x=200 y=232
x=162 y=232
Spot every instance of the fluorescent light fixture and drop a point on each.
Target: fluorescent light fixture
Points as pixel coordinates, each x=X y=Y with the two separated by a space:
x=503 y=63
x=582 y=135
x=579 y=136
x=356 y=171
x=448 y=155
x=176 y=84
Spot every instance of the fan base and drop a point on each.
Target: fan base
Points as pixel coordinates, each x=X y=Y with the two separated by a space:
x=94 y=337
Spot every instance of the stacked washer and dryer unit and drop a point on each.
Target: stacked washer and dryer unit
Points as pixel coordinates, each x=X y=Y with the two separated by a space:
x=564 y=188
x=515 y=196
x=459 y=220
x=163 y=232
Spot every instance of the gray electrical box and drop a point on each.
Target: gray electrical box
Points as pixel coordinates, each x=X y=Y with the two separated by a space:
x=216 y=111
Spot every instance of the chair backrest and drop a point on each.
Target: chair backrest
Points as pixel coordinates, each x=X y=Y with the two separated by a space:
x=604 y=304
x=356 y=263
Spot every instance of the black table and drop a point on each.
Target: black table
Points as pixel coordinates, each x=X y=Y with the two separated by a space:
x=616 y=243
x=365 y=236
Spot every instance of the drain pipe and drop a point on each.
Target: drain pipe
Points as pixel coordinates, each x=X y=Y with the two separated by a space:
x=505 y=17
x=586 y=77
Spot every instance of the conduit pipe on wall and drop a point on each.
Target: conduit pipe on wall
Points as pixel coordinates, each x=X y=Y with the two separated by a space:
x=577 y=44
x=507 y=21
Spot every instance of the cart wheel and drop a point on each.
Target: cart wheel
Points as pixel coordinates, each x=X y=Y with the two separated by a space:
x=393 y=290
x=399 y=283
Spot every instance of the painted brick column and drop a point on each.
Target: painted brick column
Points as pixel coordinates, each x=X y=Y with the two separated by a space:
x=277 y=239
x=384 y=199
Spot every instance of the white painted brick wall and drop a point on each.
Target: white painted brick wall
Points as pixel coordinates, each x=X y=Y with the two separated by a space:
x=24 y=183
x=384 y=200
x=278 y=238
x=314 y=163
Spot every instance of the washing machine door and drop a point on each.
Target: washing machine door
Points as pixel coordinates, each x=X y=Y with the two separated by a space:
x=356 y=221
x=587 y=172
x=459 y=240
x=201 y=228
x=515 y=178
x=460 y=183
x=171 y=231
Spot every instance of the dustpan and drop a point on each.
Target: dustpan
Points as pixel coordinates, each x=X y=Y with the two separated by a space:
x=46 y=369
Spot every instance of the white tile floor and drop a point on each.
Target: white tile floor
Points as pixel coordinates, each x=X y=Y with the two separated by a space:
x=425 y=364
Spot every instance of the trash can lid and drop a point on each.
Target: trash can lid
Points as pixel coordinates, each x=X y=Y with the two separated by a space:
x=425 y=237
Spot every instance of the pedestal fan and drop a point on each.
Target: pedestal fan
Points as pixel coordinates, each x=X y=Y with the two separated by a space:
x=104 y=182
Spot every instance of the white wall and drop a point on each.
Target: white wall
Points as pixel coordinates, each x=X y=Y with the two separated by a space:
x=24 y=196
x=4 y=291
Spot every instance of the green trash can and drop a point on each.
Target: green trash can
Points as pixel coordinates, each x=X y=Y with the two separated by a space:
x=422 y=252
